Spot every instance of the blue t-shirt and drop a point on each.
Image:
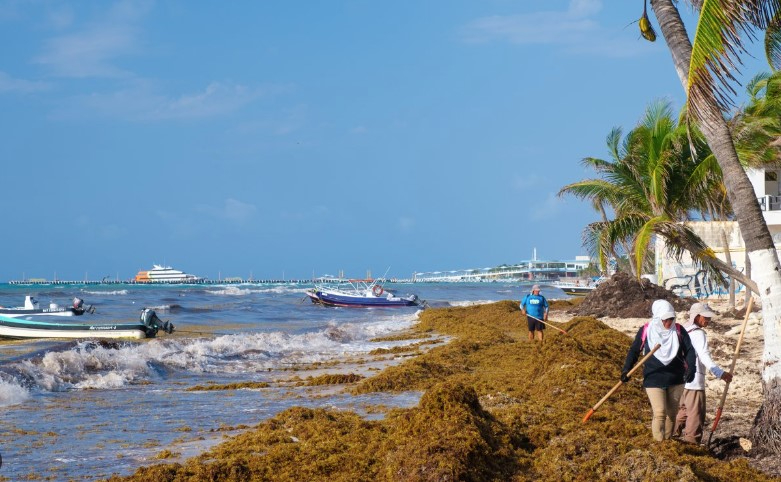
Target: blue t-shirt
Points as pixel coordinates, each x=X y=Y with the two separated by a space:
x=535 y=305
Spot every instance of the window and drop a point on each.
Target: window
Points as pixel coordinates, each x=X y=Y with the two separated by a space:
x=771 y=176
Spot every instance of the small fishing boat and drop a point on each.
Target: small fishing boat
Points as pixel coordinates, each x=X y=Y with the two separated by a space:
x=32 y=308
x=578 y=288
x=23 y=327
x=360 y=293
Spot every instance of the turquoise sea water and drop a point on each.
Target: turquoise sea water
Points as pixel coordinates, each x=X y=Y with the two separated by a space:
x=84 y=410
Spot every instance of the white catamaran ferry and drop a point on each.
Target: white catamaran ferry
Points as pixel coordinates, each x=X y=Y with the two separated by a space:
x=166 y=274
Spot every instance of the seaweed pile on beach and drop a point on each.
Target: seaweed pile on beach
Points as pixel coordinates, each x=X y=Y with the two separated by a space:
x=625 y=296
x=495 y=407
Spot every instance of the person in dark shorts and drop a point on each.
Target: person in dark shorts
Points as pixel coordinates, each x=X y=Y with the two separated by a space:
x=535 y=307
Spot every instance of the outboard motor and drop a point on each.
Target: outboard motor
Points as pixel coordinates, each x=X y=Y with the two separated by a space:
x=78 y=307
x=30 y=303
x=153 y=323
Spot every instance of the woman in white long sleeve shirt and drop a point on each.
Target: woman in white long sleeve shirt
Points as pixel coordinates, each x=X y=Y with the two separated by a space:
x=691 y=413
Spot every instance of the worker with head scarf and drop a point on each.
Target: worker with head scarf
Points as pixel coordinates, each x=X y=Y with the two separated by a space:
x=664 y=374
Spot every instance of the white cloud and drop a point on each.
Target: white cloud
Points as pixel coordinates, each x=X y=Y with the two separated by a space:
x=584 y=8
x=574 y=30
x=232 y=210
x=549 y=207
x=140 y=102
x=94 y=50
x=522 y=183
x=406 y=224
x=216 y=99
x=112 y=231
x=21 y=86
x=60 y=16
x=88 y=54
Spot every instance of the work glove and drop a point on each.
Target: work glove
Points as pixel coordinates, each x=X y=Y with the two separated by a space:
x=624 y=377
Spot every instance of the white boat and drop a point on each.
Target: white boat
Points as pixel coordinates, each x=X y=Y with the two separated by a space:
x=166 y=274
x=32 y=308
x=359 y=293
x=23 y=327
x=578 y=287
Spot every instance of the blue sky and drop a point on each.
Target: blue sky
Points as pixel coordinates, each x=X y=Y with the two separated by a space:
x=291 y=138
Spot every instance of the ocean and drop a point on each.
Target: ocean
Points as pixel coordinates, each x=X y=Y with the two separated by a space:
x=84 y=410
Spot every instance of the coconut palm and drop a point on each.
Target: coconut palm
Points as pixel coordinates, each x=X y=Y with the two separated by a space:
x=652 y=183
x=756 y=128
x=705 y=68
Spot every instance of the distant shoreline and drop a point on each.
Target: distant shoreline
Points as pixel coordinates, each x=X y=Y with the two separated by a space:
x=231 y=282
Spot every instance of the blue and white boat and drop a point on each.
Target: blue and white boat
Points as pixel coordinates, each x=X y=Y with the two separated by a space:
x=360 y=293
x=24 y=327
x=32 y=308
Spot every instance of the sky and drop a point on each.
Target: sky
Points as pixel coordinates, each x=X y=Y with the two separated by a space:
x=292 y=139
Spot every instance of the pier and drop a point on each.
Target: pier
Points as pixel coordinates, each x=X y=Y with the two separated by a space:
x=231 y=281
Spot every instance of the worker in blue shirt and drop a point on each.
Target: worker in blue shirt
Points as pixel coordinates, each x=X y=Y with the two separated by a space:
x=535 y=307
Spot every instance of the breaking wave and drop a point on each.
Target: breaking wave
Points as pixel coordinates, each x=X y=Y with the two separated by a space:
x=114 y=364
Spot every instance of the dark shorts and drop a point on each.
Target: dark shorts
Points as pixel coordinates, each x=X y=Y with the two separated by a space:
x=533 y=324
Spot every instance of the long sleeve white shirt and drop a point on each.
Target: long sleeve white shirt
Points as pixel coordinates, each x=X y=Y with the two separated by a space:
x=704 y=361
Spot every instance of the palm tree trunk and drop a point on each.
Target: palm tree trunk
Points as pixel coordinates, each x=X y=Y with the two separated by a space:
x=759 y=244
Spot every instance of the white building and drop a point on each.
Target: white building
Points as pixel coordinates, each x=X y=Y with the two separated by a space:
x=684 y=278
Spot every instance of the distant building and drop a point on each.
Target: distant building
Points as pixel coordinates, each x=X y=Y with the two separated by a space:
x=530 y=270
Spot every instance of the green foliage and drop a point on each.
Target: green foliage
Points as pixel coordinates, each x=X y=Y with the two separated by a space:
x=658 y=175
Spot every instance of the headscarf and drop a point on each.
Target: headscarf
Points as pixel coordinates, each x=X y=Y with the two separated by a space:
x=658 y=334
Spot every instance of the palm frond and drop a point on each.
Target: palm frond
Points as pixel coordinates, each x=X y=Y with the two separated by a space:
x=715 y=55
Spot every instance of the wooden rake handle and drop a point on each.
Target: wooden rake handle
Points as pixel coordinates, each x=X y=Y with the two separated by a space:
x=731 y=369
x=552 y=326
x=617 y=385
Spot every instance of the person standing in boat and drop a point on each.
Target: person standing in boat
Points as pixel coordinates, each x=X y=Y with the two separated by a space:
x=535 y=307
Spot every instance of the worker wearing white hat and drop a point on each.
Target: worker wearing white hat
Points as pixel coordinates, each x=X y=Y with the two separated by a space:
x=691 y=413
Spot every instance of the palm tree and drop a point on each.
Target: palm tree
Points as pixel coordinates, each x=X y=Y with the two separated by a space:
x=756 y=127
x=652 y=183
x=705 y=68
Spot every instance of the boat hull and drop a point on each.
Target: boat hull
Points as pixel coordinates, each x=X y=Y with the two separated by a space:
x=23 y=328
x=334 y=299
x=19 y=312
x=577 y=290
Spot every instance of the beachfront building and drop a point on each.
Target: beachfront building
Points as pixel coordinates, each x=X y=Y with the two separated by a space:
x=529 y=270
x=724 y=238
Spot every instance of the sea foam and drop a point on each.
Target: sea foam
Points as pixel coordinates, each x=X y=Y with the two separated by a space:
x=11 y=393
x=90 y=365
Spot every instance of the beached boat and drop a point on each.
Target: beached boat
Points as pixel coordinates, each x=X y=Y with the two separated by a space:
x=32 y=308
x=147 y=327
x=360 y=293
x=578 y=288
x=165 y=274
